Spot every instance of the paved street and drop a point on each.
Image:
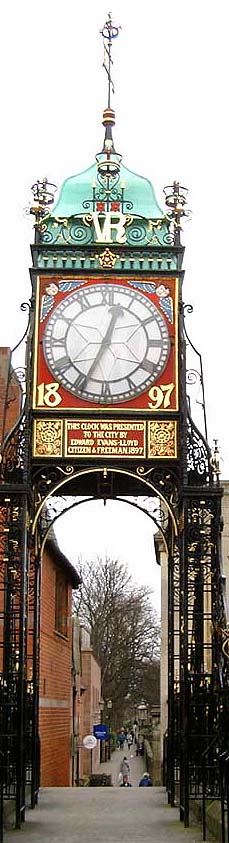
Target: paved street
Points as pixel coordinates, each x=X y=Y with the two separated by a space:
x=104 y=815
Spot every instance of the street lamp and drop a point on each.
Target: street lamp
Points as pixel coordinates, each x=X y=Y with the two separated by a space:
x=142 y=713
x=109 y=708
x=101 y=706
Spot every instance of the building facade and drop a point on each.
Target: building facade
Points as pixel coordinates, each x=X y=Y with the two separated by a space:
x=58 y=578
x=10 y=394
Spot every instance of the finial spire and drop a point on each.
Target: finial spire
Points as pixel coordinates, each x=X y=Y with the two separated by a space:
x=108 y=160
x=109 y=32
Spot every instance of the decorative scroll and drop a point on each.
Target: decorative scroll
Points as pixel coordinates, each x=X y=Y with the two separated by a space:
x=162 y=439
x=72 y=230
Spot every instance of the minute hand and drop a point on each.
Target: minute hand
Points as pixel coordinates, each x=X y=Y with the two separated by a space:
x=116 y=311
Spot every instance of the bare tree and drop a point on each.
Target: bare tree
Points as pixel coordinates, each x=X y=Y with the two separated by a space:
x=124 y=628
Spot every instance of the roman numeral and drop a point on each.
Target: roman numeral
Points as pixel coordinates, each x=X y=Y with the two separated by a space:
x=108 y=296
x=80 y=381
x=131 y=383
x=57 y=343
x=63 y=363
x=105 y=392
x=147 y=365
x=83 y=300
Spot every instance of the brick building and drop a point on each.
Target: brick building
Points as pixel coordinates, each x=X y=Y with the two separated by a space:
x=58 y=578
x=10 y=394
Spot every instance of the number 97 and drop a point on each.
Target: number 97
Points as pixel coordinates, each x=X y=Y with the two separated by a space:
x=160 y=396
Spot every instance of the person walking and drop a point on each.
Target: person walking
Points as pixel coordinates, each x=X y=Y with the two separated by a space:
x=121 y=739
x=145 y=781
x=125 y=767
x=129 y=739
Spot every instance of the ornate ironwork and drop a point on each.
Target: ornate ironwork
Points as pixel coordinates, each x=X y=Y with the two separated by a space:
x=15 y=453
x=176 y=199
x=164 y=480
x=199 y=457
x=109 y=32
x=56 y=507
x=109 y=197
x=195 y=376
x=13 y=645
x=79 y=230
x=43 y=194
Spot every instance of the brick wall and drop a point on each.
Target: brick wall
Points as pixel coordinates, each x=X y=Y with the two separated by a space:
x=10 y=393
x=10 y=405
x=55 y=710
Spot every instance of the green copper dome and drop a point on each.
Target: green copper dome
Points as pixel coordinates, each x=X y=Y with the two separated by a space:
x=76 y=194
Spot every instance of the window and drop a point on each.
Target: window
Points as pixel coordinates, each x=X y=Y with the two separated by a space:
x=61 y=604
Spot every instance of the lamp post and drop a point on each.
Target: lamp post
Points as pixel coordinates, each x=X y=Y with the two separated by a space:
x=101 y=706
x=142 y=714
x=109 y=708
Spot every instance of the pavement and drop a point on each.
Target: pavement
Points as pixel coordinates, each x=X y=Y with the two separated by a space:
x=104 y=814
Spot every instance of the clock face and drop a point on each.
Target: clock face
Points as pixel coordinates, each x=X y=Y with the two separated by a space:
x=106 y=343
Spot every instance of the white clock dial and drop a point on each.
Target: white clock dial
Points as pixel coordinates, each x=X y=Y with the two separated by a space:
x=106 y=343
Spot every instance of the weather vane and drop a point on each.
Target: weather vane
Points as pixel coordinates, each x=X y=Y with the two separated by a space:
x=109 y=32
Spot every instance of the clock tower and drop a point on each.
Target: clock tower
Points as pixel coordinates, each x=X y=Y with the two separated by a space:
x=107 y=283
x=107 y=416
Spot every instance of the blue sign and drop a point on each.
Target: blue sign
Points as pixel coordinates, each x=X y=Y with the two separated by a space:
x=101 y=732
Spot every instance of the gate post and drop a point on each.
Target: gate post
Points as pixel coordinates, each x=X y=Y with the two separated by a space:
x=184 y=696
x=22 y=671
x=14 y=569
x=35 y=753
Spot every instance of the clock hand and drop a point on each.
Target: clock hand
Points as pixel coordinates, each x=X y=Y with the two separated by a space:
x=116 y=310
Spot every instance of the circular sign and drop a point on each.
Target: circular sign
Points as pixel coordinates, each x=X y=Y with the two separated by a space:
x=101 y=732
x=89 y=741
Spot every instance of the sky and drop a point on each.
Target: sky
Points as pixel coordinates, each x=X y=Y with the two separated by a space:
x=171 y=101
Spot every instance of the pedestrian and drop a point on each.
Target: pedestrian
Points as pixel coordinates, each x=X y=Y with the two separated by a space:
x=142 y=746
x=122 y=738
x=125 y=782
x=124 y=767
x=129 y=739
x=146 y=781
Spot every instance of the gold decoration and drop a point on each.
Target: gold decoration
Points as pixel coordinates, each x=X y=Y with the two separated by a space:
x=48 y=438
x=162 y=439
x=87 y=219
x=181 y=522
x=107 y=259
x=222 y=633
